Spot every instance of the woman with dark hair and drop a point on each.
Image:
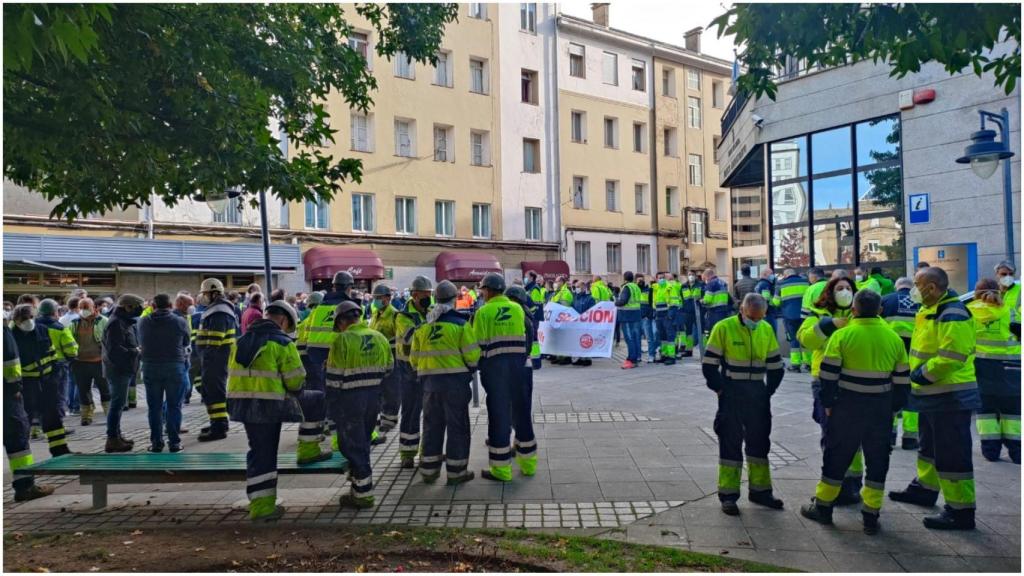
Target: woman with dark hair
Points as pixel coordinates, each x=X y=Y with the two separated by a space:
x=830 y=312
x=997 y=368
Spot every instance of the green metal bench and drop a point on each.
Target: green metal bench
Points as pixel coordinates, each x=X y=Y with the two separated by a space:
x=102 y=470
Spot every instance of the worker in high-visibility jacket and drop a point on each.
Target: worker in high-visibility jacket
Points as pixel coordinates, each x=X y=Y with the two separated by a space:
x=766 y=288
x=39 y=382
x=887 y=285
x=263 y=369
x=997 y=365
x=383 y=321
x=899 y=311
x=790 y=293
x=817 y=279
x=861 y=366
x=314 y=395
x=692 y=292
x=538 y=295
x=218 y=330
x=409 y=318
x=828 y=314
x=864 y=282
x=600 y=291
x=1009 y=288
x=360 y=358
x=16 y=426
x=675 y=313
x=666 y=331
x=444 y=354
x=564 y=297
x=944 y=391
x=525 y=444
x=65 y=347
x=717 y=300
x=741 y=351
x=501 y=334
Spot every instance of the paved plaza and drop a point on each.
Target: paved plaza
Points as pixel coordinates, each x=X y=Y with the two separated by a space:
x=628 y=455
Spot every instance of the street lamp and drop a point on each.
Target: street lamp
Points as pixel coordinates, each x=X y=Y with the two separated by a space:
x=984 y=154
x=219 y=200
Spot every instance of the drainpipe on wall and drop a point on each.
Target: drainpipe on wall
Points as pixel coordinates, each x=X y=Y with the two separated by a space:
x=555 y=196
x=652 y=152
x=149 y=214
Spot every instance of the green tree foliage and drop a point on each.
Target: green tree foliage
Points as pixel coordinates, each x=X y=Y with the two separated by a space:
x=905 y=35
x=106 y=103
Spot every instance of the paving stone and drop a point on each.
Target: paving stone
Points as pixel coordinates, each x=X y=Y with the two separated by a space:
x=855 y=562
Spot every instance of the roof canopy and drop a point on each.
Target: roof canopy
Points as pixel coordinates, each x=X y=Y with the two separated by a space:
x=465 y=266
x=322 y=262
x=548 y=269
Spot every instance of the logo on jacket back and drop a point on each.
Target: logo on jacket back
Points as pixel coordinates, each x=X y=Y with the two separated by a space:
x=367 y=343
x=504 y=314
x=435 y=333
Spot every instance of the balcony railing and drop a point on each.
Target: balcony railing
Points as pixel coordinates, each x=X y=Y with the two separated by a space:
x=732 y=113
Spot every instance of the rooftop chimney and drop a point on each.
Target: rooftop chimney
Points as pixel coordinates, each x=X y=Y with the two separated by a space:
x=600 y=10
x=692 y=39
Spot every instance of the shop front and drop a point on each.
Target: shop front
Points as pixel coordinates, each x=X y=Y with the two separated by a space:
x=547 y=269
x=323 y=262
x=465 y=268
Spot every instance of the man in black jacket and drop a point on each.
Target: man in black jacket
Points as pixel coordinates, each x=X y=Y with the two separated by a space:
x=120 y=363
x=165 y=341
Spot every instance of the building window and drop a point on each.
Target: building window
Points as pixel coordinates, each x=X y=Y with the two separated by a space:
x=360 y=42
x=697 y=228
x=232 y=214
x=531 y=155
x=693 y=111
x=721 y=206
x=611 y=132
x=480 y=148
x=639 y=75
x=610 y=69
x=671 y=142
x=582 y=252
x=316 y=214
x=611 y=195
x=640 y=198
x=578 y=121
x=673 y=259
x=528 y=16
x=639 y=137
x=533 y=224
x=716 y=141
x=443 y=144
x=696 y=170
x=405 y=138
x=693 y=79
x=361 y=131
x=477 y=76
x=643 y=258
x=672 y=201
x=444 y=218
x=528 y=86
x=481 y=220
x=717 y=94
x=362 y=213
x=404 y=67
x=478 y=10
x=668 y=82
x=613 y=253
x=579 y=193
x=405 y=215
x=443 y=69
x=577 y=61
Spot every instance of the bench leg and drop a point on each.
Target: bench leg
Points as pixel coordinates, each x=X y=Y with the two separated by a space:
x=99 y=496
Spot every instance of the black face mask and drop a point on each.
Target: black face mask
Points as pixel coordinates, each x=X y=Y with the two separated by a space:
x=641 y=283
x=424 y=302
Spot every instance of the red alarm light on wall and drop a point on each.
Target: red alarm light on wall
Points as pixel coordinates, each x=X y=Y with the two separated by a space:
x=924 y=95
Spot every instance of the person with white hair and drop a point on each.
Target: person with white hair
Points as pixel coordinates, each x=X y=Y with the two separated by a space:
x=1009 y=288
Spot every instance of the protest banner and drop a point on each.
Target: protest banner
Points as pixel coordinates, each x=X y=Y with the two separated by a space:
x=565 y=332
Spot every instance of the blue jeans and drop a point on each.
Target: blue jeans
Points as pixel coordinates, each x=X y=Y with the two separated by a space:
x=631 y=332
x=74 y=405
x=118 y=398
x=650 y=330
x=164 y=382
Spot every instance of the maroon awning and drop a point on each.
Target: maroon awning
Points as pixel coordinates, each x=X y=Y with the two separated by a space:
x=322 y=262
x=548 y=269
x=465 y=266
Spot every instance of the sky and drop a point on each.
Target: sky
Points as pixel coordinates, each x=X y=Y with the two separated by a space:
x=664 y=21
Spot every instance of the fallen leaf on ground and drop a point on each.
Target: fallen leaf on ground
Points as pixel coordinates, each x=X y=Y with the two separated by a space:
x=40 y=569
x=200 y=549
x=128 y=542
x=137 y=533
x=76 y=534
x=94 y=569
x=236 y=563
x=273 y=557
x=361 y=569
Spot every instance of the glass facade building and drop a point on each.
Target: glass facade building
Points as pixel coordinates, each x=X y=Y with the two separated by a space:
x=836 y=198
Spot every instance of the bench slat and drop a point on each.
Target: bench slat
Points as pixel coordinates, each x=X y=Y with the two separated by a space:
x=147 y=464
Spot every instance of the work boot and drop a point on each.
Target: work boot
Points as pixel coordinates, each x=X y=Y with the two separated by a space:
x=910 y=443
x=353 y=501
x=156 y=448
x=431 y=478
x=687 y=354
x=87 y=414
x=214 y=433
x=730 y=508
x=1013 y=451
x=32 y=492
x=990 y=449
x=765 y=498
x=817 y=512
x=322 y=456
x=175 y=448
x=469 y=475
x=871 y=526
x=487 y=475
x=408 y=461
x=117 y=445
x=915 y=494
x=951 y=519
x=378 y=438
x=275 y=515
x=670 y=361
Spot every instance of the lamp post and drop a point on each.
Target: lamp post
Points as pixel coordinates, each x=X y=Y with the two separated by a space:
x=984 y=154
x=219 y=202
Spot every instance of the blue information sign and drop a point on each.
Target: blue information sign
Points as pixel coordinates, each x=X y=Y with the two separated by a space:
x=920 y=209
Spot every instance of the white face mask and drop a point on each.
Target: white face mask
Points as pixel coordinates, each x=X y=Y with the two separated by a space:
x=750 y=324
x=691 y=278
x=844 y=298
x=915 y=295
x=859 y=278
x=85 y=313
x=27 y=325
x=1006 y=281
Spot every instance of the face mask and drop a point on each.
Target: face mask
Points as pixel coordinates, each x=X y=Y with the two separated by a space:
x=85 y=313
x=27 y=325
x=844 y=298
x=1006 y=281
x=641 y=284
x=750 y=324
x=771 y=277
x=662 y=281
x=858 y=278
x=915 y=295
x=424 y=302
x=691 y=279
x=191 y=310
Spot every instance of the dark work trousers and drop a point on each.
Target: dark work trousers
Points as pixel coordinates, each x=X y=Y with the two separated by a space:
x=859 y=421
x=792 y=326
x=390 y=400
x=446 y=411
x=87 y=375
x=63 y=374
x=1006 y=409
x=43 y=395
x=667 y=335
x=688 y=321
x=313 y=393
x=215 y=384
x=261 y=459
x=743 y=420
x=853 y=478
x=498 y=376
x=944 y=459
x=16 y=430
x=522 y=414
x=411 y=390
x=355 y=412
